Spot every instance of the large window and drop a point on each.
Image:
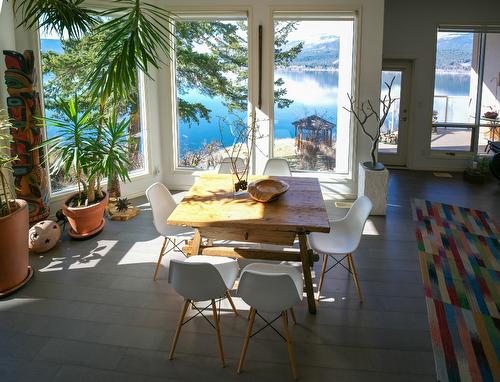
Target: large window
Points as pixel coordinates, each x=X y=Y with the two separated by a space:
x=66 y=65
x=466 y=99
x=212 y=88
x=312 y=76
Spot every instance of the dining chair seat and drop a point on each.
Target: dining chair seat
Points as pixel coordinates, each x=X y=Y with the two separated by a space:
x=277 y=167
x=227 y=268
x=270 y=288
x=343 y=239
x=202 y=278
x=162 y=205
x=226 y=165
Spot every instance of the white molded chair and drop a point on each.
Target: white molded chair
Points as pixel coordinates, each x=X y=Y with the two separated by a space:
x=270 y=288
x=277 y=167
x=162 y=205
x=203 y=278
x=343 y=239
x=226 y=166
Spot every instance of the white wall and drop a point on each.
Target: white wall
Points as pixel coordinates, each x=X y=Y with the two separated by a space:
x=410 y=33
x=158 y=95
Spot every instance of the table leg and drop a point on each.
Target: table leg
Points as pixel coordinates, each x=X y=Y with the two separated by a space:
x=196 y=244
x=306 y=269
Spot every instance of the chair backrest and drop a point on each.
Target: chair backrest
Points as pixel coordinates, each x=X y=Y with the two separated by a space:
x=354 y=222
x=196 y=281
x=162 y=205
x=270 y=291
x=226 y=166
x=277 y=167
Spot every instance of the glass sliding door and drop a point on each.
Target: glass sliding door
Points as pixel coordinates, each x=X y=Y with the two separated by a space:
x=313 y=61
x=393 y=135
x=466 y=92
x=212 y=87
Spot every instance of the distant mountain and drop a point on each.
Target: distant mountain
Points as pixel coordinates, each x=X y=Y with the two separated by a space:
x=323 y=53
x=454 y=51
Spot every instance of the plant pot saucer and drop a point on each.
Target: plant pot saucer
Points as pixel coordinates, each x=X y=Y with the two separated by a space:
x=87 y=235
x=20 y=285
x=369 y=165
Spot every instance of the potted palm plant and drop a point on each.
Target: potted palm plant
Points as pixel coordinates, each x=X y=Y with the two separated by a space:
x=88 y=148
x=73 y=153
x=14 y=221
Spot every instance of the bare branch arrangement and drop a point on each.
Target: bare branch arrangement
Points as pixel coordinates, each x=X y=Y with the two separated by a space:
x=364 y=112
x=243 y=147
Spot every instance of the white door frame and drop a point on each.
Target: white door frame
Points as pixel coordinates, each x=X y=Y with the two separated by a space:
x=405 y=67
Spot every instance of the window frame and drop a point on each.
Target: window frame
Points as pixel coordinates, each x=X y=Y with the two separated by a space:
x=202 y=15
x=135 y=175
x=476 y=125
x=319 y=15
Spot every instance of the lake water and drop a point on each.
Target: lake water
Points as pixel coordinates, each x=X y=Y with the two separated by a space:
x=312 y=92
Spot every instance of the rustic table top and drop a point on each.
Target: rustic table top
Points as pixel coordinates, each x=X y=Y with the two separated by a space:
x=212 y=203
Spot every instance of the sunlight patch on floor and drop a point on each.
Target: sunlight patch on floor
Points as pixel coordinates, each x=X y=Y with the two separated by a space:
x=89 y=260
x=15 y=302
x=370 y=229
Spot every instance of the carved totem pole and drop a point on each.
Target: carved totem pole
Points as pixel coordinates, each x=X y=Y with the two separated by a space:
x=23 y=105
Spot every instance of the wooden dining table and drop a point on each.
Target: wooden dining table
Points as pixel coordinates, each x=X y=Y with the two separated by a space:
x=217 y=213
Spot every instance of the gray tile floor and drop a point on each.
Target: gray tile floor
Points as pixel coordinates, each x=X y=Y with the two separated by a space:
x=93 y=313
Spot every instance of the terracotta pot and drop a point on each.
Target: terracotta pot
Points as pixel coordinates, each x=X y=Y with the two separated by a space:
x=85 y=221
x=14 y=267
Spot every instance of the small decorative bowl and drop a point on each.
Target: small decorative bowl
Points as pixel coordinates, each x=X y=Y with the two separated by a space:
x=266 y=190
x=491 y=115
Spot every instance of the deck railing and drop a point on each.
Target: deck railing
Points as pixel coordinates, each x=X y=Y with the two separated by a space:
x=451 y=109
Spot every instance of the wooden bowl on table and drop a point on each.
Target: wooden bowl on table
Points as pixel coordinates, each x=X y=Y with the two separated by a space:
x=266 y=190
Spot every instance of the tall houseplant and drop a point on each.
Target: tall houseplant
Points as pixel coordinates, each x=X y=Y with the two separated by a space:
x=73 y=152
x=14 y=221
x=111 y=152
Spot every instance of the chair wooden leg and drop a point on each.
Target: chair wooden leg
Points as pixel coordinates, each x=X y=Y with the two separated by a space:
x=291 y=355
x=217 y=330
x=355 y=276
x=228 y=295
x=179 y=326
x=159 y=258
x=322 y=275
x=247 y=339
x=292 y=313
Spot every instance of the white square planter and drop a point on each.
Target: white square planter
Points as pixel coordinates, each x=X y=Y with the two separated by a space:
x=373 y=184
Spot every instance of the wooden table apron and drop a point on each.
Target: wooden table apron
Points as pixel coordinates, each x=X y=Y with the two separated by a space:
x=215 y=212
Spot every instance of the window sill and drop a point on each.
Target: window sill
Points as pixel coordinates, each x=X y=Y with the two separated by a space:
x=136 y=175
x=435 y=154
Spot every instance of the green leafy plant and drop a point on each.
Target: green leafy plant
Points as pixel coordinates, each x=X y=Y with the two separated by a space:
x=7 y=193
x=122 y=204
x=71 y=151
x=136 y=34
x=111 y=152
x=61 y=16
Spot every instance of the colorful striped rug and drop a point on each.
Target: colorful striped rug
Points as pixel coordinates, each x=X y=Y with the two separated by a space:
x=459 y=251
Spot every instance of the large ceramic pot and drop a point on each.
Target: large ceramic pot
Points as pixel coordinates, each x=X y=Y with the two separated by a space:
x=373 y=184
x=14 y=266
x=85 y=221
